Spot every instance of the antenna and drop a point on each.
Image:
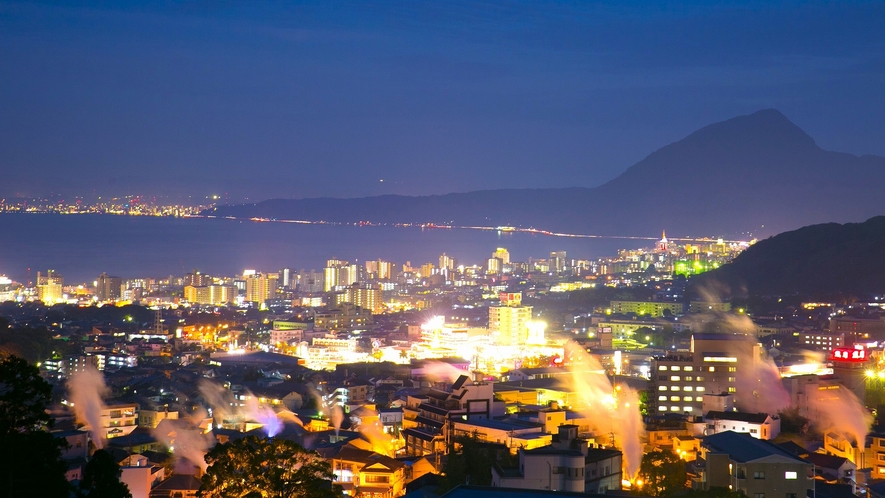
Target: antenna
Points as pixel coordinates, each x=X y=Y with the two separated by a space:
x=158 y=322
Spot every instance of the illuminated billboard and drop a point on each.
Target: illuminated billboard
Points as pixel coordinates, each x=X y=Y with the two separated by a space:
x=849 y=354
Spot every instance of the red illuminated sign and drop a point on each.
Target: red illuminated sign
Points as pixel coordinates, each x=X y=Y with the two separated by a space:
x=850 y=354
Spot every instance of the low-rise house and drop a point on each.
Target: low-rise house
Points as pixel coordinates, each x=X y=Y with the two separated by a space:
x=758 y=425
x=755 y=467
x=570 y=465
x=369 y=474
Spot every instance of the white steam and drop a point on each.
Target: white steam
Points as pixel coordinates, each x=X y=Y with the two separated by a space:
x=613 y=409
x=86 y=390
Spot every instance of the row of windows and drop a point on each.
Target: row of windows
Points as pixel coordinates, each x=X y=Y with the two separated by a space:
x=676 y=368
x=677 y=398
x=687 y=378
x=675 y=409
x=663 y=368
x=682 y=388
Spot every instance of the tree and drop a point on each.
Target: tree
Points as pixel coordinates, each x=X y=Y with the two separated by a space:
x=30 y=462
x=101 y=478
x=662 y=474
x=793 y=422
x=253 y=468
x=472 y=464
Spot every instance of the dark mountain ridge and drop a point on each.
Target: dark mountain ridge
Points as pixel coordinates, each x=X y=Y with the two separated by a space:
x=724 y=179
x=819 y=260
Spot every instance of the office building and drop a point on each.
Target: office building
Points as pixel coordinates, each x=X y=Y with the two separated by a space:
x=310 y=281
x=647 y=308
x=49 y=287
x=108 y=288
x=502 y=254
x=197 y=279
x=509 y=325
x=367 y=297
x=210 y=294
x=557 y=262
x=679 y=382
x=260 y=287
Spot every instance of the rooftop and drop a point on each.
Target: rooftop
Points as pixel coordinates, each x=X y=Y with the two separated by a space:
x=744 y=448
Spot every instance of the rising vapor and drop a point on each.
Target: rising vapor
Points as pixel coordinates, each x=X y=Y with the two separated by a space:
x=610 y=408
x=86 y=390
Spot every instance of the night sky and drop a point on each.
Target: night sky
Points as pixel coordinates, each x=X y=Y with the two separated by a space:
x=327 y=98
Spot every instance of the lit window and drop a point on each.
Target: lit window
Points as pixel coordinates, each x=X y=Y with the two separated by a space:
x=731 y=389
x=662 y=408
x=689 y=369
x=699 y=389
x=662 y=398
x=662 y=388
x=674 y=388
x=687 y=398
x=687 y=388
x=699 y=398
x=686 y=408
x=675 y=378
x=791 y=475
x=674 y=398
x=662 y=368
x=674 y=408
x=674 y=368
x=712 y=369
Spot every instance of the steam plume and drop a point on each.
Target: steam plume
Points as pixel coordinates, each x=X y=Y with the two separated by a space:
x=841 y=410
x=370 y=427
x=217 y=397
x=611 y=410
x=440 y=371
x=86 y=391
x=186 y=441
x=337 y=417
x=266 y=416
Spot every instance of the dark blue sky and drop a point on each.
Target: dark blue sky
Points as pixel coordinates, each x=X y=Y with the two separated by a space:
x=327 y=98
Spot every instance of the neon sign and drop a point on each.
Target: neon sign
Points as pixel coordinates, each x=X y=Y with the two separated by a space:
x=850 y=354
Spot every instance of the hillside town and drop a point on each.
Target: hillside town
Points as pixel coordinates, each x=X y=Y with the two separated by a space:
x=567 y=376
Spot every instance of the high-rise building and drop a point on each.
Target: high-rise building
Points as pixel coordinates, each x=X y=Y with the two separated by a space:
x=372 y=268
x=385 y=270
x=260 y=286
x=447 y=264
x=502 y=254
x=557 y=261
x=494 y=266
x=49 y=287
x=310 y=281
x=679 y=382
x=108 y=288
x=368 y=297
x=210 y=294
x=427 y=269
x=509 y=325
x=286 y=278
x=338 y=273
x=197 y=279
x=350 y=275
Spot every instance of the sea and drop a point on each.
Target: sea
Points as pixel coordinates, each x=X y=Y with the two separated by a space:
x=80 y=247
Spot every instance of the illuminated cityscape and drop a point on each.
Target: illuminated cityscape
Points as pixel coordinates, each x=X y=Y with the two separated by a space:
x=442 y=249
x=402 y=358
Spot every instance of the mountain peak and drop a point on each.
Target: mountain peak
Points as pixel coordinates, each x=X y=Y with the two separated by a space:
x=767 y=128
